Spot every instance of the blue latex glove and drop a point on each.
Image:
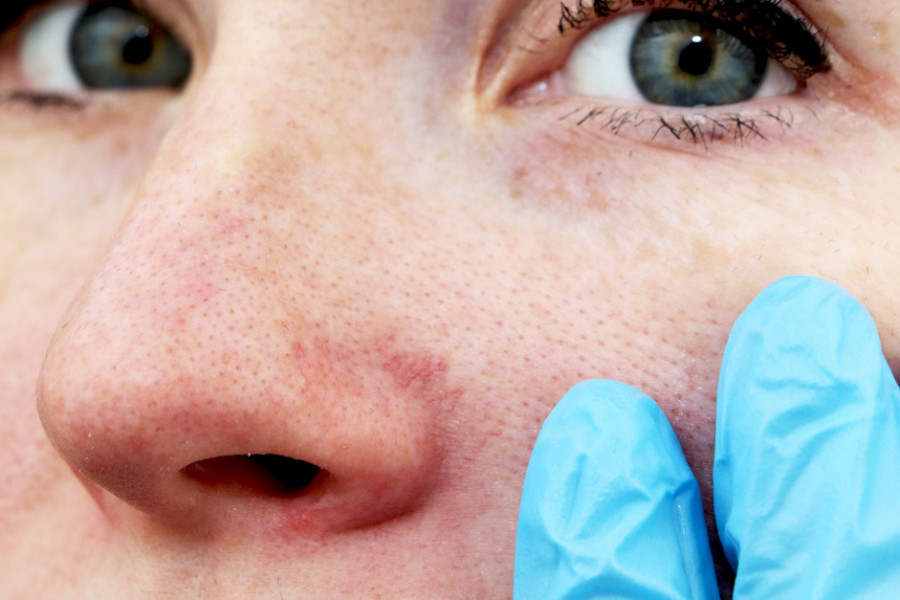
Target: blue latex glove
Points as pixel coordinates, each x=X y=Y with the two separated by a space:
x=807 y=471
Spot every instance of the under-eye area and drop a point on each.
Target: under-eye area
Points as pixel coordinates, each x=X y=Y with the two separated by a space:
x=263 y=474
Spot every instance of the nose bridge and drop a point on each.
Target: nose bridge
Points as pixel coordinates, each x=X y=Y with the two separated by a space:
x=251 y=175
x=256 y=192
x=216 y=329
x=203 y=234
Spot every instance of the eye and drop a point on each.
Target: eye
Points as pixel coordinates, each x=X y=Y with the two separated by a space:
x=102 y=45
x=675 y=58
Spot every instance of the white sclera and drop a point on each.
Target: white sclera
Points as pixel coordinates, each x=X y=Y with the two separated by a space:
x=600 y=65
x=44 y=49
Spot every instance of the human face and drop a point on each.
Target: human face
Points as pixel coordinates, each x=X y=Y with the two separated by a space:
x=371 y=239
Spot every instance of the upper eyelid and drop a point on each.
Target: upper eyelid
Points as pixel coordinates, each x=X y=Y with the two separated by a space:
x=528 y=33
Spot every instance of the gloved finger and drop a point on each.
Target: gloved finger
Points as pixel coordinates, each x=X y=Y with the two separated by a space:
x=807 y=467
x=610 y=507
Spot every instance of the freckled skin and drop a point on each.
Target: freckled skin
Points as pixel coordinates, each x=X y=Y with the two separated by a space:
x=324 y=249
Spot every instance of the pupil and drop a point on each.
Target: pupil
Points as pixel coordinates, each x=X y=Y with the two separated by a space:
x=697 y=57
x=138 y=49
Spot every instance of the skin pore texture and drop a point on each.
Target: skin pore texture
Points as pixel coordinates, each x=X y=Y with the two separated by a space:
x=345 y=243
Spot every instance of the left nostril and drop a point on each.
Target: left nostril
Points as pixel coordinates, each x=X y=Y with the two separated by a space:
x=265 y=474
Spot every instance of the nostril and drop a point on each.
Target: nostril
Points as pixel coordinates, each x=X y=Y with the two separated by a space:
x=266 y=474
x=289 y=475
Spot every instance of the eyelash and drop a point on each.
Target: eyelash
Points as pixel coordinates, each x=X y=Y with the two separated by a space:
x=789 y=39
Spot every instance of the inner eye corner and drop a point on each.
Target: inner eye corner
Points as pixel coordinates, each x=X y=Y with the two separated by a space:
x=271 y=475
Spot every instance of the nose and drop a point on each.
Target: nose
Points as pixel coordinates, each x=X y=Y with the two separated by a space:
x=224 y=358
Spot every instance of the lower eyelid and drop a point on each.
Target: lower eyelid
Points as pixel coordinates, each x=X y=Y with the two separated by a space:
x=41 y=100
x=702 y=131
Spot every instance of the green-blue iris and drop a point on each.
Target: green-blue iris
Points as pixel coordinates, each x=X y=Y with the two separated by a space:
x=114 y=46
x=683 y=58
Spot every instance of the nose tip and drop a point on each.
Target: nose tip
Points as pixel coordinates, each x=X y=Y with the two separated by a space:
x=328 y=461
x=327 y=435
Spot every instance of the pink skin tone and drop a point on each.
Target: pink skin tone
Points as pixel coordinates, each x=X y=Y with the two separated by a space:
x=359 y=238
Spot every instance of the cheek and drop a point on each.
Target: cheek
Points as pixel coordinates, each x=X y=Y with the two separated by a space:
x=630 y=267
x=42 y=262
x=61 y=205
x=545 y=300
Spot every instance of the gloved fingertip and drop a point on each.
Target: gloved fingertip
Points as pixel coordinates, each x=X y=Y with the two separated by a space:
x=803 y=348
x=802 y=325
x=592 y=411
x=599 y=429
x=607 y=493
x=804 y=394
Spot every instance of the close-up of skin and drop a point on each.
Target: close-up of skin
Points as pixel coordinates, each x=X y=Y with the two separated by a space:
x=382 y=242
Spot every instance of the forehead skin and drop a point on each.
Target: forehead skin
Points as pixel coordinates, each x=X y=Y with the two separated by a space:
x=342 y=243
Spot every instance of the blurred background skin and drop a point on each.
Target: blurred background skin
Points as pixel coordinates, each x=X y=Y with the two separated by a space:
x=361 y=238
